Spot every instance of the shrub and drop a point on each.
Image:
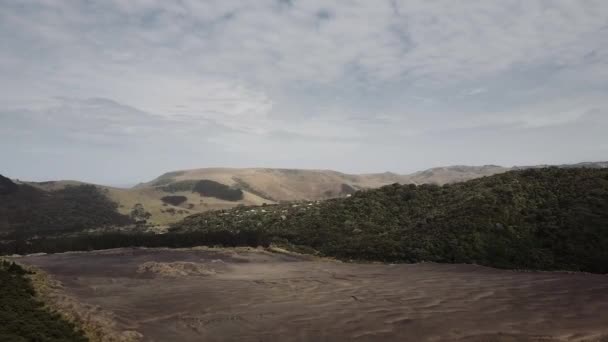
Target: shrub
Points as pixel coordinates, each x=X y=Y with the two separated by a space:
x=211 y=188
x=174 y=200
x=22 y=317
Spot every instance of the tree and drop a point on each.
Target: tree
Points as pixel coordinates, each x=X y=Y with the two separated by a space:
x=139 y=214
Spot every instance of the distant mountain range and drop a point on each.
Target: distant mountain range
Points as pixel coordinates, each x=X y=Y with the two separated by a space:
x=174 y=195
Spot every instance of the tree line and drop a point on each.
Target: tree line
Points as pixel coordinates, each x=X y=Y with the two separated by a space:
x=89 y=242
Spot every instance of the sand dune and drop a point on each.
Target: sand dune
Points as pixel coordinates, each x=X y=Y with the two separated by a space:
x=249 y=295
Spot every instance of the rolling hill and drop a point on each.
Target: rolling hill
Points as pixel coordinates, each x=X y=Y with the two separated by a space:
x=540 y=218
x=275 y=185
x=27 y=211
x=205 y=189
x=549 y=218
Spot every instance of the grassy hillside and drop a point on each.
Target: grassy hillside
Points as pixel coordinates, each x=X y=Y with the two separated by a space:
x=274 y=185
x=23 y=318
x=539 y=219
x=151 y=198
x=27 y=211
x=164 y=212
x=223 y=188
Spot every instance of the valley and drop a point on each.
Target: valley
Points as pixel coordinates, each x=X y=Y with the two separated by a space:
x=246 y=294
x=304 y=171
x=494 y=258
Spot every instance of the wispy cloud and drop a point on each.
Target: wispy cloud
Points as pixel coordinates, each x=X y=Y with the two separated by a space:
x=244 y=75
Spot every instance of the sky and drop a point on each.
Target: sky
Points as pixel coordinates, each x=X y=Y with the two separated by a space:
x=118 y=92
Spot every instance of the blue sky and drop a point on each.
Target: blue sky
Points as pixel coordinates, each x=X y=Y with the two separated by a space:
x=120 y=91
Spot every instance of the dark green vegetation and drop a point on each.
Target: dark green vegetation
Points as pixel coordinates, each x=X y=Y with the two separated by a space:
x=22 y=317
x=206 y=187
x=139 y=214
x=174 y=200
x=89 y=242
x=27 y=211
x=33 y=220
x=536 y=219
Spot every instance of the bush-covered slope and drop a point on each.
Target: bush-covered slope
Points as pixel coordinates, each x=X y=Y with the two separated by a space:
x=22 y=317
x=206 y=187
x=26 y=210
x=174 y=200
x=540 y=219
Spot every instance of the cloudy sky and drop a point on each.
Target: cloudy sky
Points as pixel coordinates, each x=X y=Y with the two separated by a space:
x=120 y=91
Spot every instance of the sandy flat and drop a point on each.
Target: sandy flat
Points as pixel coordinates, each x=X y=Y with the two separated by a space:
x=248 y=295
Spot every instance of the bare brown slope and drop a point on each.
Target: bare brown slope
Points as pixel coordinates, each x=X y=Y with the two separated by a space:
x=282 y=184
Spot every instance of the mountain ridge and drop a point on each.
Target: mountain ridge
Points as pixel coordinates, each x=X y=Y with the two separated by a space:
x=270 y=185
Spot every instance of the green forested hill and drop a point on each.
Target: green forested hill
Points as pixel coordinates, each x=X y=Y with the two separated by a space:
x=540 y=219
x=27 y=211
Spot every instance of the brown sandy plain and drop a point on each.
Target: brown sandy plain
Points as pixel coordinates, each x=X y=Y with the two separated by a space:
x=254 y=295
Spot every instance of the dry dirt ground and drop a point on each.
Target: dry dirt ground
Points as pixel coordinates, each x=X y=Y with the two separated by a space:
x=252 y=295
